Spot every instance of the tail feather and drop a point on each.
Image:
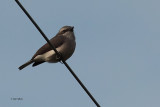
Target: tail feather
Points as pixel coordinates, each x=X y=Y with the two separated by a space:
x=26 y=64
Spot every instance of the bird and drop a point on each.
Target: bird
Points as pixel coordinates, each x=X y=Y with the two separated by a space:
x=64 y=42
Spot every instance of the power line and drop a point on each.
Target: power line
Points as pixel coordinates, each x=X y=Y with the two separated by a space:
x=58 y=54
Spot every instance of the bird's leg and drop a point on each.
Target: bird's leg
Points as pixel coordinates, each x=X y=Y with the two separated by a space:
x=59 y=57
x=61 y=62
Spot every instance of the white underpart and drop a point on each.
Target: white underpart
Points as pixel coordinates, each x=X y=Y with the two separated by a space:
x=49 y=56
x=45 y=57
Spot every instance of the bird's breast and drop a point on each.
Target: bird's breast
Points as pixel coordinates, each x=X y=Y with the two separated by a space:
x=67 y=49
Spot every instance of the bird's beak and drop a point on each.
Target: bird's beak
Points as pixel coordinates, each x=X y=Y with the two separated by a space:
x=72 y=28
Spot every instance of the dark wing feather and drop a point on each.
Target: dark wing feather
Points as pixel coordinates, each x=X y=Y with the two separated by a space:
x=55 y=41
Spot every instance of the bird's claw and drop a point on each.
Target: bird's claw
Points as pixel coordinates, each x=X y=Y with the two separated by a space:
x=59 y=57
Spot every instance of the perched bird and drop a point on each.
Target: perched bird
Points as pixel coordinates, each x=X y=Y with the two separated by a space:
x=65 y=44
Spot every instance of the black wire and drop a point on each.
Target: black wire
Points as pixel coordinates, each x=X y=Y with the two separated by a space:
x=64 y=62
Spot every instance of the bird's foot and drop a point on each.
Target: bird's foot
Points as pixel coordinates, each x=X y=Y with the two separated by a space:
x=59 y=57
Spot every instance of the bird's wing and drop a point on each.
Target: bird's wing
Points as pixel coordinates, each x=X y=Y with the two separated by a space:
x=55 y=41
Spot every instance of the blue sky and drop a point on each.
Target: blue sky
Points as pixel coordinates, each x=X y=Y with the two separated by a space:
x=117 y=55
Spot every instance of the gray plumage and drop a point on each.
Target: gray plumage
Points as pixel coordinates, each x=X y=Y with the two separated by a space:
x=64 y=42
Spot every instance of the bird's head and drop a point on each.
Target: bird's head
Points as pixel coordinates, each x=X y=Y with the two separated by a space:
x=66 y=29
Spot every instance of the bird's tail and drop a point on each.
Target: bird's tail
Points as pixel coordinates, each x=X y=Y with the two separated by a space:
x=26 y=64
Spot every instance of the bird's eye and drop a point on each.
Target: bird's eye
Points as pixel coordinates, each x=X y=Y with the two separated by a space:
x=64 y=31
